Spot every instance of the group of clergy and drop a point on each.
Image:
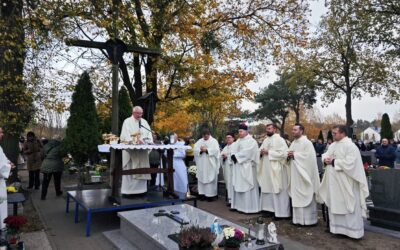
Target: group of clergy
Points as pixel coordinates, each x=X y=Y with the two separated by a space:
x=283 y=181
x=286 y=176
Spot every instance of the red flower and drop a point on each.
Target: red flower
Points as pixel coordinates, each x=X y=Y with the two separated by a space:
x=366 y=166
x=15 y=222
x=13 y=240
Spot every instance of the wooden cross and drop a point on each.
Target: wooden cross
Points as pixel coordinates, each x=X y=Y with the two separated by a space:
x=115 y=50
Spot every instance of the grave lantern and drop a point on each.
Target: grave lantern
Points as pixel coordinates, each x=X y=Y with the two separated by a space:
x=260 y=231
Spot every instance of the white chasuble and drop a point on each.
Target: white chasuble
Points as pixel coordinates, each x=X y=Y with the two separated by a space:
x=304 y=181
x=132 y=159
x=272 y=176
x=180 y=173
x=344 y=189
x=207 y=166
x=227 y=165
x=5 y=169
x=244 y=180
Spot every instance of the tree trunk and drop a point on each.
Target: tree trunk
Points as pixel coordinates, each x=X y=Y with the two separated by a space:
x=126 y=80
x=151 y=86
x=282 y=132
x=297 y=113
x=349 y=118
x=138 y=84
x=13 y=114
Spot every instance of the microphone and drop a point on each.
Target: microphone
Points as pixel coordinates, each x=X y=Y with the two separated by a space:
x=141 y=126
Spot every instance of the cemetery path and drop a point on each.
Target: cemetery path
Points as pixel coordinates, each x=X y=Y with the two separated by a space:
x=63 y=233
x=60 y=228
x=294 y=237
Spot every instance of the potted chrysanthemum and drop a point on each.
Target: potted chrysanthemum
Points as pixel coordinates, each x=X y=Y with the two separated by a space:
x=233 y=237
x=14 y=224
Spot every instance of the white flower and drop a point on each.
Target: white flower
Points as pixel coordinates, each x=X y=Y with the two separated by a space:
x=229 y=232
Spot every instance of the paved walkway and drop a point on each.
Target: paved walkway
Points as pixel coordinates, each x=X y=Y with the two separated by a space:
x=63 y=234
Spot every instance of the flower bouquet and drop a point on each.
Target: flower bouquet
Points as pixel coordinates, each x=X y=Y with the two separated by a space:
x=192 y=170
x=14 y=223
x=195 y=237
x=233 y=237
x=100 y=169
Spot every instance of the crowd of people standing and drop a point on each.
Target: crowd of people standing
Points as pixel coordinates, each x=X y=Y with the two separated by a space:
x=387 y=152
x=42 y=156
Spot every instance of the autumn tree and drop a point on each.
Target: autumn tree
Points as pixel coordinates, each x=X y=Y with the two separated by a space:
x=214 y=33
x=380 y=20
x=386 y=127
x=343 y=62
x=216 y=97
x=195 y=37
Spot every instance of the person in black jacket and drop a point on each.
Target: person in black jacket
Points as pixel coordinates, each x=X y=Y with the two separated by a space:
x=386 y=154
x=319 y=147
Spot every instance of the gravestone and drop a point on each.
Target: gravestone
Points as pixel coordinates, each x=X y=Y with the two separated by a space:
x=140 y=229
x=385 y=194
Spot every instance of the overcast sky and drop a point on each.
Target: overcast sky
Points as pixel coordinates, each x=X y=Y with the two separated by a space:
x=367 y=108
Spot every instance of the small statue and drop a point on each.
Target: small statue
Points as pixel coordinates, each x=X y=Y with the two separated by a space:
x=217 y=230
x=273 y=236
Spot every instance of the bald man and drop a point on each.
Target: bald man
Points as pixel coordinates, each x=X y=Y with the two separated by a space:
x=132 y=159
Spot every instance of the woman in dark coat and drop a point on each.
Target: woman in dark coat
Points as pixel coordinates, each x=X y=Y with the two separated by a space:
x=53 y=165
x=33 y=151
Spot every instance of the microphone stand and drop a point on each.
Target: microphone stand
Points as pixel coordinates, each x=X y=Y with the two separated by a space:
x=141 y=126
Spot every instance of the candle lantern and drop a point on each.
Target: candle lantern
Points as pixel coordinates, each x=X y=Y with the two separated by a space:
x=260 y=231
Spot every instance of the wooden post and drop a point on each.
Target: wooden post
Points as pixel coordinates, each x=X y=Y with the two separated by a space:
x=116 y=175
x=170 y=174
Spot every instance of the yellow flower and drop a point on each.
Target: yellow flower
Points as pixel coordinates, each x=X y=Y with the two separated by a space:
x=11 y=189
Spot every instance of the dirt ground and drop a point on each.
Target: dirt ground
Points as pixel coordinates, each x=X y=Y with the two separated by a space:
x=317 y=237
x=33 y=220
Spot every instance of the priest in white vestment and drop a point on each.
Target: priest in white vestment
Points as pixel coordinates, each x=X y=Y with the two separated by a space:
x=227 y=164
x=206 y=155
x=245 y=156
x=5 y=168
x=304 y=178
x=344 y=186
x=272 y=174
x=180 y=170
x=132 y=159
